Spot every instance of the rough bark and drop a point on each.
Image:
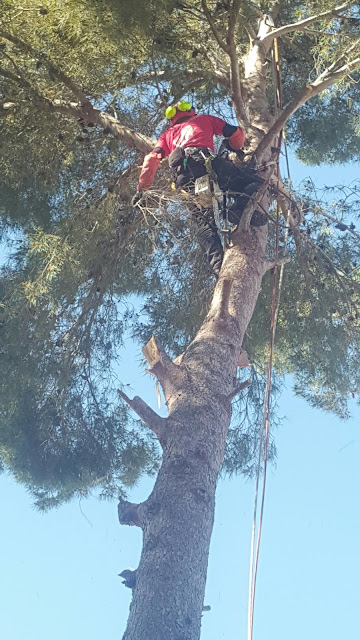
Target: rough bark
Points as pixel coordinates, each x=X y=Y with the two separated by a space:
x=177 y=518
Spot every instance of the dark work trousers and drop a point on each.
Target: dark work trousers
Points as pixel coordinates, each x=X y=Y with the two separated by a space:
x=207 y=234
x=243 y=182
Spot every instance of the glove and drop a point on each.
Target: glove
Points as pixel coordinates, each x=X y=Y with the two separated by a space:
x=137 y=197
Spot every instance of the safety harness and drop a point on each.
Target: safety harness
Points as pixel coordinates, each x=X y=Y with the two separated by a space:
x=207 y=191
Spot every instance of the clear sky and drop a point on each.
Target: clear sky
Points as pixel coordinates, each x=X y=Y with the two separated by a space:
x=59 y=570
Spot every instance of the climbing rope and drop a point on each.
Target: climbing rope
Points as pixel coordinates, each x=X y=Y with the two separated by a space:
x=265 y=426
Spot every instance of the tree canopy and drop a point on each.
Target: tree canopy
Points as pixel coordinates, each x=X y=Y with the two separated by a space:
x=83 y=89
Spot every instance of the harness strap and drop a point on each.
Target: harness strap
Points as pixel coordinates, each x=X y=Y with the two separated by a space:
x=209 y=169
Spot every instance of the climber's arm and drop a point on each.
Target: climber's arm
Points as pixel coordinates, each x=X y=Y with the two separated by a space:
x=235 y=135
x=149 y=168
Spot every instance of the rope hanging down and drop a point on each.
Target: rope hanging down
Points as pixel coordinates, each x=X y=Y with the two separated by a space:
x=264 y=434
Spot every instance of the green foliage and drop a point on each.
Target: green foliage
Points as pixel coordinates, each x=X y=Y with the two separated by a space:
x=63 y=316
x=318 y=338
x=85 y=272
x=326 y=128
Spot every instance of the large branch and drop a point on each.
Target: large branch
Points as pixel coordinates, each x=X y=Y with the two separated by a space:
x=324 y=81
x=268 y=38
x=170 y=375
x=238 y=103
x=22 y=82
x=56 y=71
x=125 y=134
x=216 y=35
x=229 y=47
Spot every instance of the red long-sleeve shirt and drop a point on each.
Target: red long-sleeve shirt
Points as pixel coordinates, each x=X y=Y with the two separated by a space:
x=197 y=131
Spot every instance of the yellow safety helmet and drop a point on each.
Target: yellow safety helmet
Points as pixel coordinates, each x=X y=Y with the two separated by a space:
x=177 y=111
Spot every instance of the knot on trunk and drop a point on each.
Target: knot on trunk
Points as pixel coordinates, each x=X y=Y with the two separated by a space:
x=129 y=513
x=129 y=576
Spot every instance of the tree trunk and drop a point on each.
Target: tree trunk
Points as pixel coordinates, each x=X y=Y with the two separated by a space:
x=177 y=518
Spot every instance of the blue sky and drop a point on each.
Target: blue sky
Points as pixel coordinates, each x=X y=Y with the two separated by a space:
x=59 y=570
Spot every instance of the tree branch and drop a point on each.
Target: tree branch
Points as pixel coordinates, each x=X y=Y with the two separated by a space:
x=337 y=63
x=248 y=27
x=170 y=375
x=268 y=38
x=230 y=48
x=162 y=367
x=275 y=7
x=276 y=263
x=240 y=387
x=60 y=75
x=243 y=359
x=325 y=80
x=238 y=103
x=340 y=225
x=149 y=417
x=23 y=82
x=207 y=13
x=129 y=576
x=128 y=136
x=340 y=278
x=289 y=207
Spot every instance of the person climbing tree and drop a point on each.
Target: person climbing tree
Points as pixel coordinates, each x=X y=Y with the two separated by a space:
x=189 y=142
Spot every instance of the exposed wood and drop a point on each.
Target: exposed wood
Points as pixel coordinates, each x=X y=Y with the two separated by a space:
x=169 y=374
x=243 y=359
x=154 y=352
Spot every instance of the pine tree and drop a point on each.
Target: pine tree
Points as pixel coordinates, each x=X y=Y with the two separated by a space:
x=82 y=98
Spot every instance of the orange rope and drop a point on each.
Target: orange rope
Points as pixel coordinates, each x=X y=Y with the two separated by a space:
x=265 y=427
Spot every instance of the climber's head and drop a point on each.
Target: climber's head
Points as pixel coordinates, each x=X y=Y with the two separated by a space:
x=178 y=112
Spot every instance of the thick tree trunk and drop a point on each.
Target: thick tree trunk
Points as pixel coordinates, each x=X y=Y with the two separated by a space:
x=177 y=519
